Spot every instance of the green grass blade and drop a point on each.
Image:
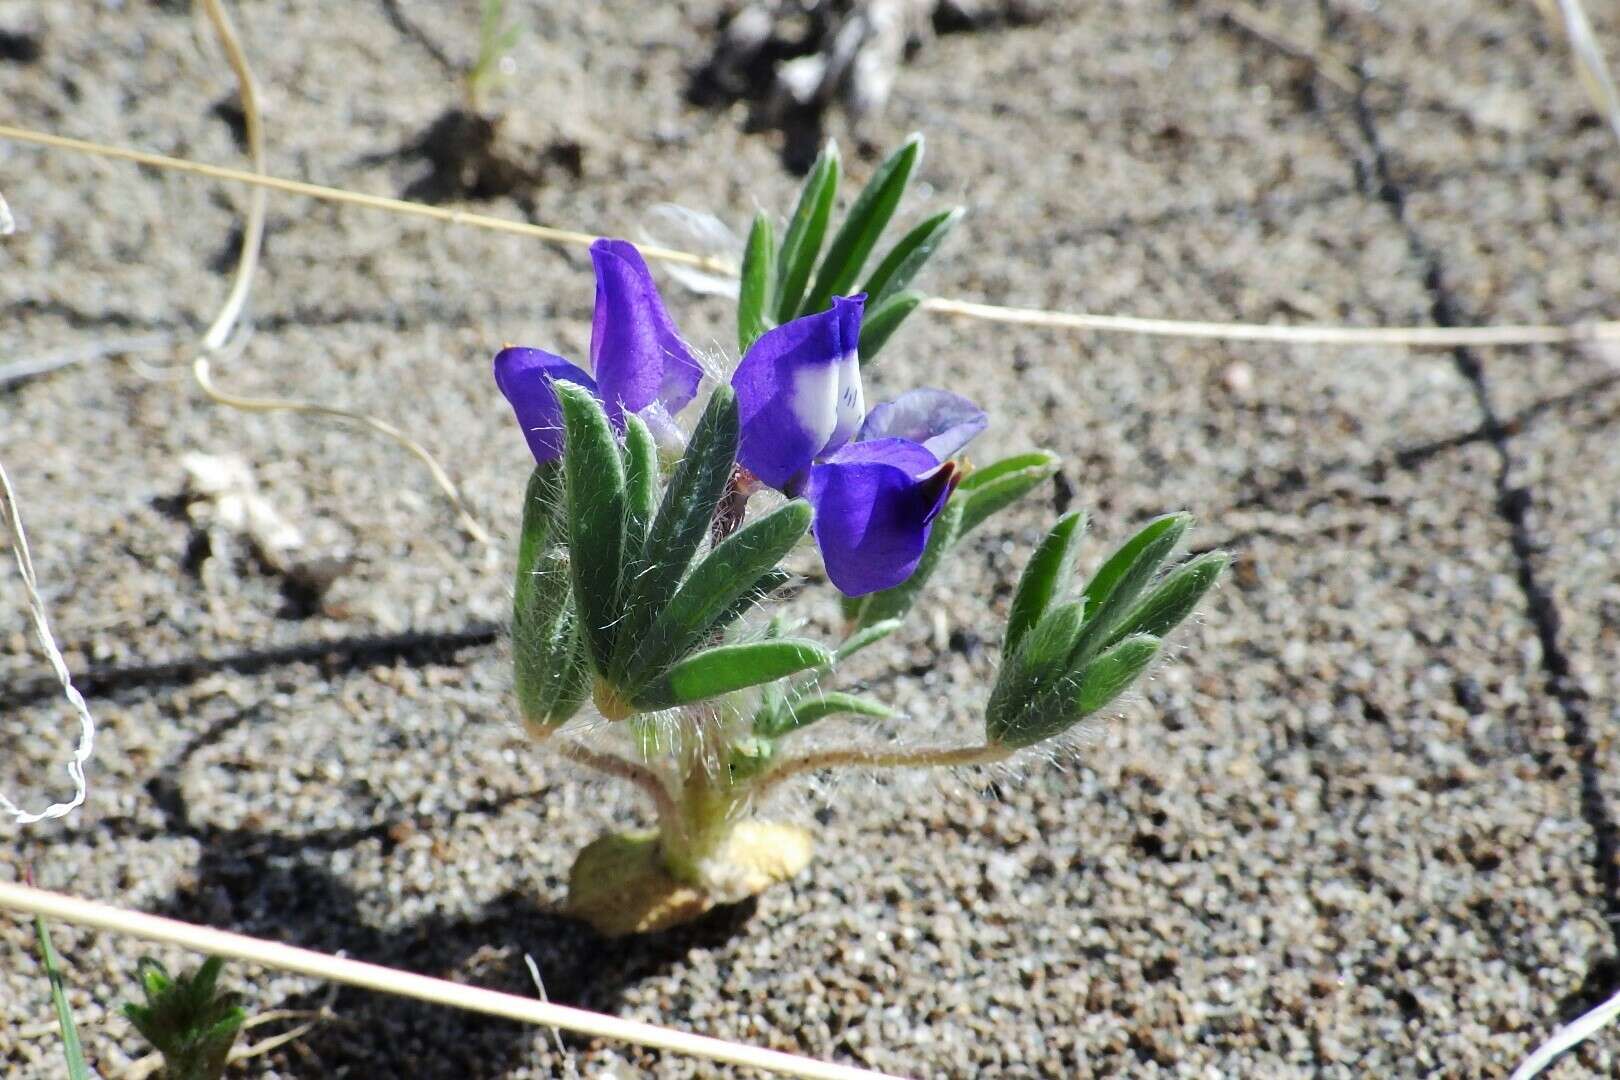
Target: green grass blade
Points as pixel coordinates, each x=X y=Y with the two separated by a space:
x=71 y=1047
x=754 y=292
x=867 y=219
x=806 y=230
x=907 y=257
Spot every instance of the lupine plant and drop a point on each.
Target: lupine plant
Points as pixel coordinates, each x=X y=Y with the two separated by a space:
x=653 y=541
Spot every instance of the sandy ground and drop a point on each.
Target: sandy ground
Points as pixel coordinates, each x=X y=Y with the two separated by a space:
x=1364 y=825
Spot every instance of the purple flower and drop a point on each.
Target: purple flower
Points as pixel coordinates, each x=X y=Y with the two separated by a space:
x=876 y=481
x=641 y=364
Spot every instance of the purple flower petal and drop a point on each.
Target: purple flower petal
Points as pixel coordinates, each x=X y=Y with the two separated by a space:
x=525 y=377
x=940 y=420
x=799 y=393
x=636 y=353
x=874 y=510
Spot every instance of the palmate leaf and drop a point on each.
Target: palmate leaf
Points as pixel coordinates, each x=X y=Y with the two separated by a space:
x=729 y=570
x=187 y=1019
x=883 y=319
x=656 y=568
x=1058 y=707
x=1113 y=590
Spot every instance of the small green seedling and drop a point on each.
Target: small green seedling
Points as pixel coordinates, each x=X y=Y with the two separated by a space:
x=188 y=1019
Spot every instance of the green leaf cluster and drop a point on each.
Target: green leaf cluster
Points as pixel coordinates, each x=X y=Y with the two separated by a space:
x=801 y=274
x=188 y=1019
x=651 y=599
x=1068 y=656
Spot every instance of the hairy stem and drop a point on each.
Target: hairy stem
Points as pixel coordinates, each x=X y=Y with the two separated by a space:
x=615 y=766
x=928 y=757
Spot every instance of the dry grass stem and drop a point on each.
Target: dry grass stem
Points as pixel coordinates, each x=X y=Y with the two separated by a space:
x=280 y=957
x=1427 y=337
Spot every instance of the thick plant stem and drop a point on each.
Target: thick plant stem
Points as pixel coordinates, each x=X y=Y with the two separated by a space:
x=929 y=757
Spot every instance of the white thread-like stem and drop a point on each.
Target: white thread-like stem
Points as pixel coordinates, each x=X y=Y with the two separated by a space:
x=280 y=957
x=42 y=630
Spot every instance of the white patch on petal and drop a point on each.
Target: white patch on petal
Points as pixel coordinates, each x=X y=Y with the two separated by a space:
x=815 y=402
x=851 y=402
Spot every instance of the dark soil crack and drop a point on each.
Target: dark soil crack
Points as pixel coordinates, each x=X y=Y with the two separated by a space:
x=1514 y=502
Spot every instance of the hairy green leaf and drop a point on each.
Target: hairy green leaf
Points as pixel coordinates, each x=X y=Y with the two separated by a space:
x=72 y=1048
x=682 y=521
x=807 y=710
x=986 y=497
x=867 y=219
x=866 y=636
x=1038 y=664
x=1114 y=589
x=985 y=475
x=595 y=485
x=549 y=670
x=1174 y=598
x=187 y=1019
x=726 y=668
x=640 y=482
x=715 y=584
x=883 y=319
x=1044 y=578
x=805 y=232
x=1059 y=707
x=907 y=257
x=754 y=291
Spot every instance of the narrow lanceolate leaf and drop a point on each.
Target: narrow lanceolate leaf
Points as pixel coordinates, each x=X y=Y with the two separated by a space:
x=1048 y=571
x=549 y=672
x=985 y=475
x=640 y=482
x=725 y=574
x=896 y=602
x=806 y=711
x=990 y=496
x=1113 y=590
x=1039 y=664
x=682 y=520
x=758 y=283
x=725 y=668
x=1174 y=598
x=867 y=219
x=907 y=257
x=594 y=478
x=883 y=320
x=805 y=232
x=867 y=635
